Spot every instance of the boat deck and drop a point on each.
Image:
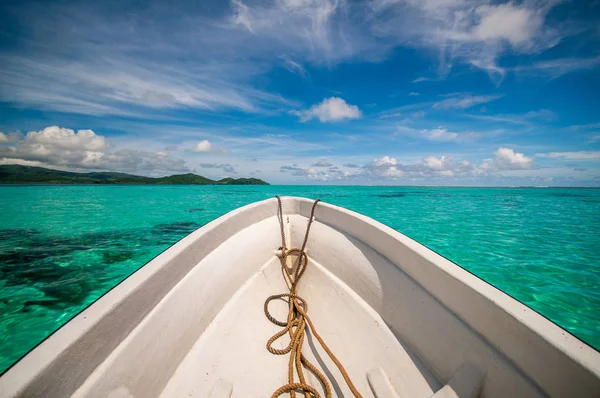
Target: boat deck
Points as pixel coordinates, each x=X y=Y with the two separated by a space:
x=231 y=355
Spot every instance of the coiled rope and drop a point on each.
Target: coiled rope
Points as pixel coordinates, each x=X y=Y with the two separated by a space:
x=296 y=323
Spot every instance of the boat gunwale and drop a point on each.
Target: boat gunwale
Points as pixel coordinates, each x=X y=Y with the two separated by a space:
x=33 y=364
x=568 y=345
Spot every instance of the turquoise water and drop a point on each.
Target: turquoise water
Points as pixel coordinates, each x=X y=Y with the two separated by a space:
x=61 y=247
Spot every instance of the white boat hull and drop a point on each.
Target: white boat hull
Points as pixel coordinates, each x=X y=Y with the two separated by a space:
x=404 y=321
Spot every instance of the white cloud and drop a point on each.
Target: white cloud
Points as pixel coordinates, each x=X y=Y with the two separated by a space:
x=505 y=163
x=203 y=146
x=428 y=167
x=333 y=109
x=21 y=162
x=57 y=138
x=421 y=79
x=413 y=94
x=312 y=173
x=392 y=172
x=84 y=149
x=385 y=161
x=319 y=171
x=383 y=167
x=322 y=163
x=435 y=163
x=515 y=24
x=508 y=159
x=447 y=167
x=579 y=155
x=464 y=102
x=226 y=167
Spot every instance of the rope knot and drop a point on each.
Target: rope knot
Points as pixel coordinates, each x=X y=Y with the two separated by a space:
x=297 y=320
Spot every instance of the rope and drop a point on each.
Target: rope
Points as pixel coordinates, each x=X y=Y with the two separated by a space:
x=297 y=320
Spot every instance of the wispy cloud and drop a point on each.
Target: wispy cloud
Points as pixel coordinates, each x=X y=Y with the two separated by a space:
x=323 y=32
x=577 y=155
x=558 y=67
x=421 y=79
x=122 y=87
x=130 y=62
x=594 y=139
x=577 y=127
x=402 y=111
x=436 y=134
x=469 y=32
x=523 y=119
x=453 y=102
x=115 y=62
x=472 y=32
x=442 y=134
x=293 y=66
x=464 y=101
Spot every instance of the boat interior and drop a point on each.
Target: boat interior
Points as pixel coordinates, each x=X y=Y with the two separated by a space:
x=403 y=321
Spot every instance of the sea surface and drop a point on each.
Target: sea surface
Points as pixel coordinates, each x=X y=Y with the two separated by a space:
x=62 y=247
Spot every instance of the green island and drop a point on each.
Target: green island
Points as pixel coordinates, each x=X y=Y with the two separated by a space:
x=17 y=174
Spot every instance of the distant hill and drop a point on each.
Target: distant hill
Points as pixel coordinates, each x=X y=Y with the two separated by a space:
x=17 y=174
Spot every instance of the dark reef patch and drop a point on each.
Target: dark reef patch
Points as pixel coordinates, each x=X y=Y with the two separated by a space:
x=117 y=256
x=29 y=258
x=179 y=227
x=68 y=290
x=17 y=233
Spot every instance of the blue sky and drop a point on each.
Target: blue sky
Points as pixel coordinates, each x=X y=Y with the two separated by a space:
x=399 y=92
